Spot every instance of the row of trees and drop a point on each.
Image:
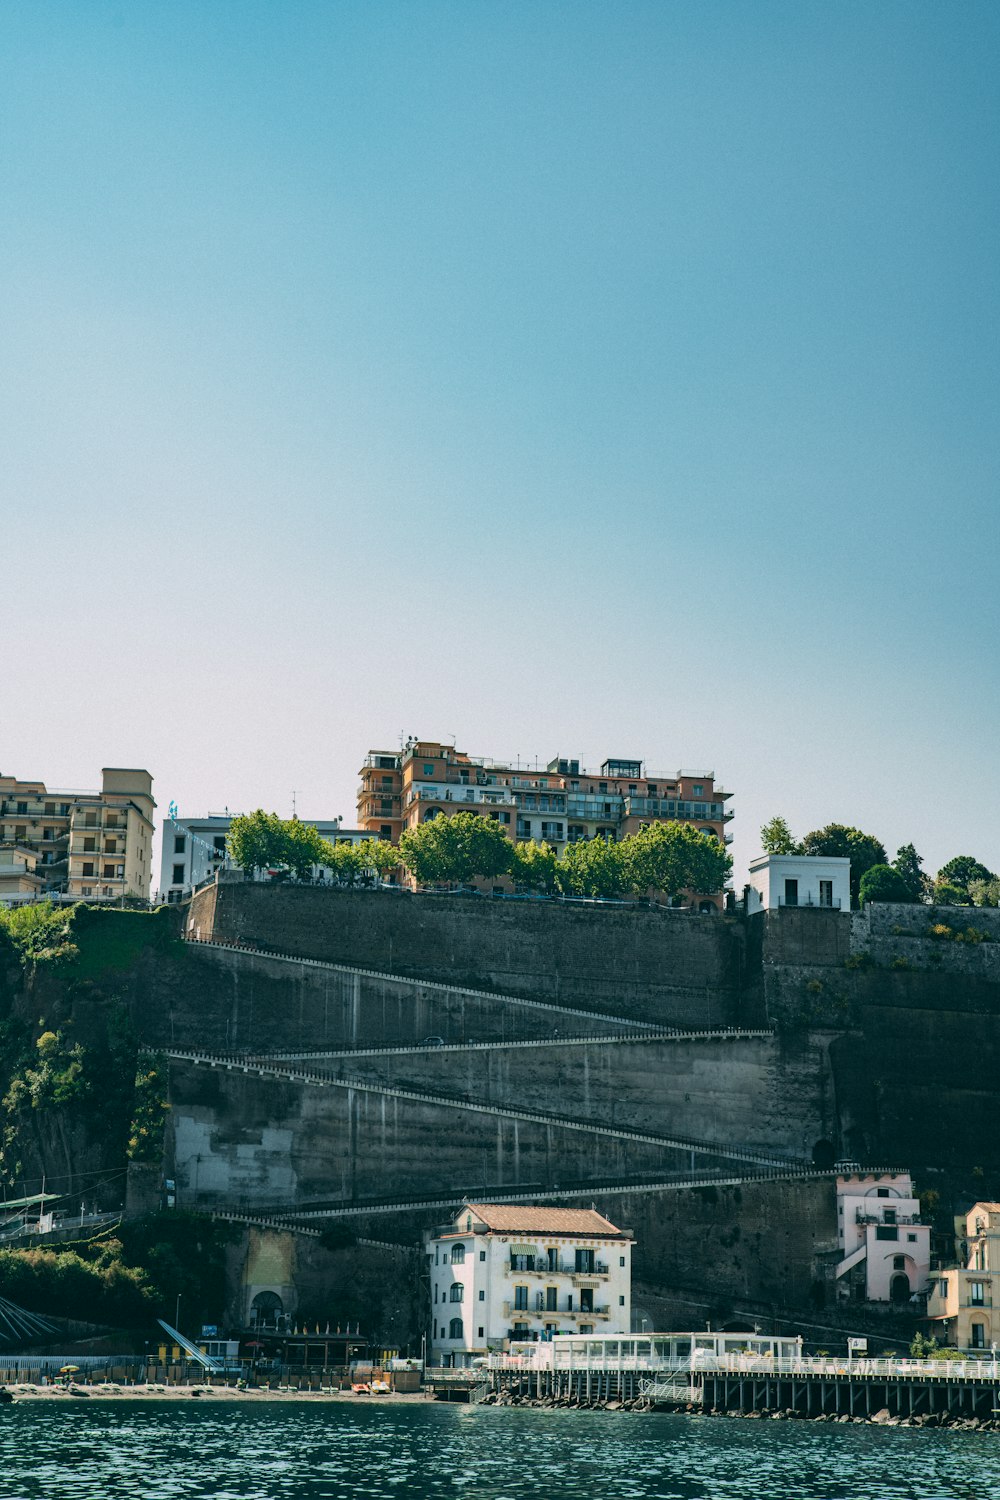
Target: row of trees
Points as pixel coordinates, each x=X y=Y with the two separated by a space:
x=664 y=857
x=667 y=857
x=263 y=841
x=963 y=881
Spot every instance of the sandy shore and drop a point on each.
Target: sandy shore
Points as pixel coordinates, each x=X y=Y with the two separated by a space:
x=160 y=1393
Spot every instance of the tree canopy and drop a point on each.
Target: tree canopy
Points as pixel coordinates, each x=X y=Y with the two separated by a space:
x=776 y=838
x=883 y=883
x=907 y=866
x=263 y=841
x=456 y=849
x=838 y=841
x=960 y=870
x=673 y=857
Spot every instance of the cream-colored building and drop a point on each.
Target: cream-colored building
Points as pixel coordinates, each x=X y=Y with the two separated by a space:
x=87 y=846
x=964 y=1301
x=502 y=1271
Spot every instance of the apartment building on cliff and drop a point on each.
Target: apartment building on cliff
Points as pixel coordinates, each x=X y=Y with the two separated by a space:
x=87 y=846
x=503 y=1271
x=560 y=804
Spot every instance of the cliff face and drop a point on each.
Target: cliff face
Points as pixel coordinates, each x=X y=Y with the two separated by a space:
x=464 y=1043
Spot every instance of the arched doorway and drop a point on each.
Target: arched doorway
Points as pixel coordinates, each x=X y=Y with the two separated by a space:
x=265 y=1310
x=899 y=1288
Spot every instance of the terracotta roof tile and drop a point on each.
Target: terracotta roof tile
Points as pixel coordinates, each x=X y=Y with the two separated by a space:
x=524 y=1218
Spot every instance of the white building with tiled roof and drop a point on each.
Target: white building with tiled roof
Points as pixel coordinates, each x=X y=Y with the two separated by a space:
x=503 y=1271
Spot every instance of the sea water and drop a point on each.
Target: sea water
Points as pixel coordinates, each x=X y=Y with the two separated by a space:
x=86 y=1450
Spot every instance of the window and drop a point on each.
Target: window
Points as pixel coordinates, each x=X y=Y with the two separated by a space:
x=455 y=1328
x=521 y=1298
x=977 y=1293
x=586 y=1327
x=482 y=1255
x=551 y=1298
x=890 y=1215
x=88 y=890
x=109 y=872
x=88 y=867
x=50 y=809
x=587 y=1299
x=621 y=1260
x=179 y=844
x=791 y=893
x=912 y=1239
x=886 y=1232
x=585 y=1261
x=482 y=1296
x=111 y=846
x=698 y=790
x=521 y=1262
x=178 y=875
x=826 y=893
x=621 y=1301
x=21 y=831
x=63 y=809
x=552 y=1259
x=219 y=843
x=457 y=1292
x=978 y=1331
x=482 y=1333
x=22 y=807
x=881 y=1192
x=428 y=769
x=385 y=832
x=899 y=1262
x=457 y=1255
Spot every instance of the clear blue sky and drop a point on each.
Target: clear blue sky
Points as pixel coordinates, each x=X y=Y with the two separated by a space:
x=568 y=378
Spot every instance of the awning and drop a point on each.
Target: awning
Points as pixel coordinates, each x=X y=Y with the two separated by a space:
x=522 y=1249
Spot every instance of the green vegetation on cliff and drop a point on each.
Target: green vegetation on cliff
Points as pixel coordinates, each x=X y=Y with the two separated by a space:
x=127 y=1279
x=666 y=857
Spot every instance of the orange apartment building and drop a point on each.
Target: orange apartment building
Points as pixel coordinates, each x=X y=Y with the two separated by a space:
x=561 y=804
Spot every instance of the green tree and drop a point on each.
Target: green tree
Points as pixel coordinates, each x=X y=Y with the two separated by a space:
x=456 y=849
x=673 y=857
x=302 y=848
x=536 y=866
x=256 y=841
x=907 y=865
x=960 y=870
x=776 y=838
x=376 y=857
x=985 y=892
x=883 y=883
x=840 y=842
x=946 y=894
x=592 y=867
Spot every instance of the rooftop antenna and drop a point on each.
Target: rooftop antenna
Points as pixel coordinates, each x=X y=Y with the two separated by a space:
x=294 y=795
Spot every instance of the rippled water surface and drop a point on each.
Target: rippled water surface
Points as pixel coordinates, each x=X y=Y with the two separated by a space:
x=298 y=1452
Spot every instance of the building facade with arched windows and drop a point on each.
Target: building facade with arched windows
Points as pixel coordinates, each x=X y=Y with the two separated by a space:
x=885 y=1250
x=515 y=1271
x=964 y=1301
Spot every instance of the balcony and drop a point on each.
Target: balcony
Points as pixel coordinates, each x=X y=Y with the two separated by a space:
x=461 y=796
x=540 y=1267
x=862 y=1218
x=809 y=903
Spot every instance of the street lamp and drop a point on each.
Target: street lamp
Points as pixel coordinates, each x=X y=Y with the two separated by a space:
x=177 y=1313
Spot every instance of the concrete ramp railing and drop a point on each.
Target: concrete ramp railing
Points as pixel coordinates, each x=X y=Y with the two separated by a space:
x=538 y=1117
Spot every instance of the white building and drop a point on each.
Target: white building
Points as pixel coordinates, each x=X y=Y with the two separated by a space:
x=885 y=1250
x=505 y=1271
x=778 y=880
x=194 y=848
